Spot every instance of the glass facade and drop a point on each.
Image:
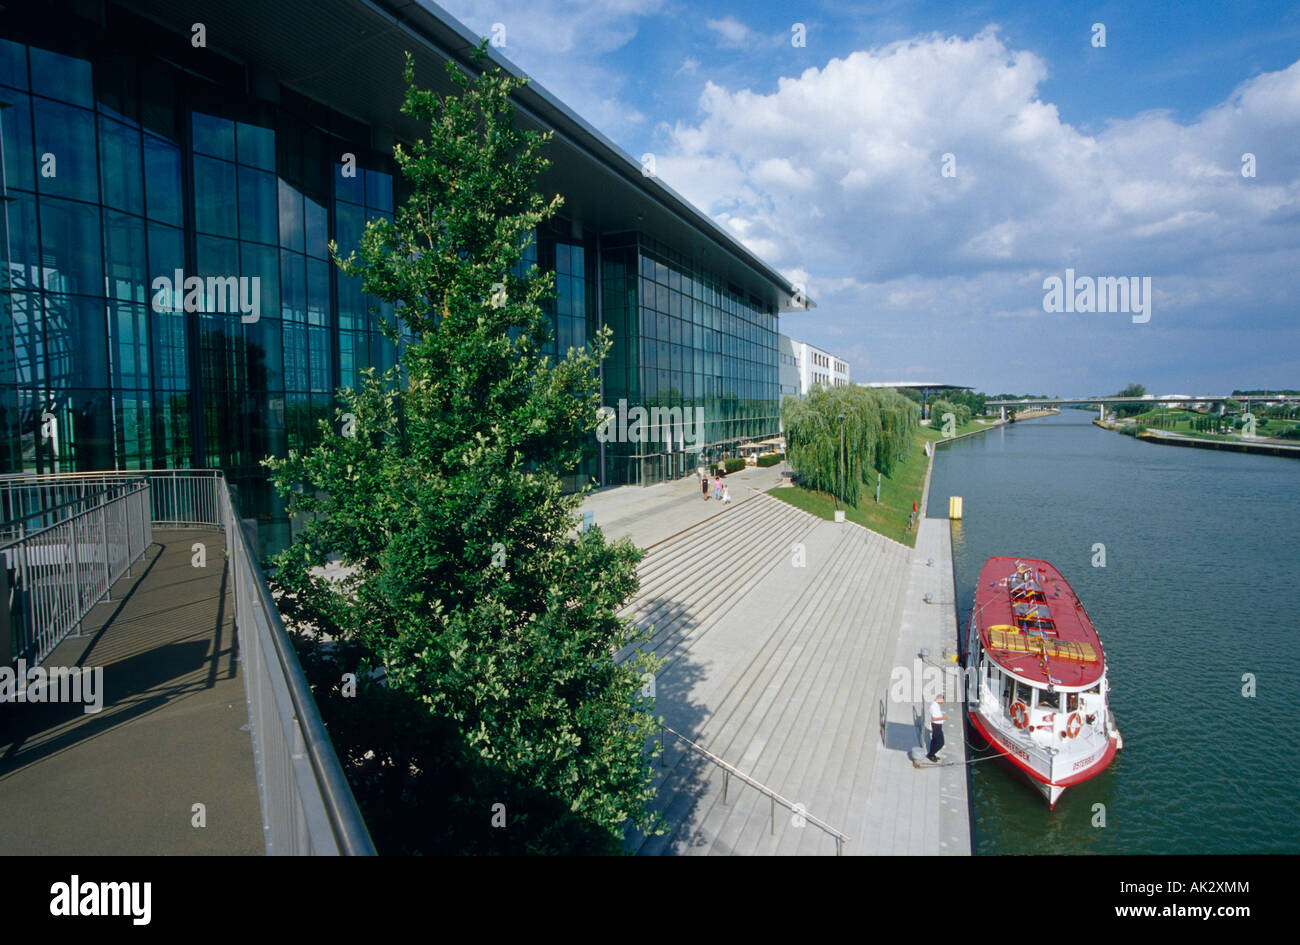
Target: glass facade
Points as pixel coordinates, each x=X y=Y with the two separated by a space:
x=684 y=339
x=125 y=178
x=119 y=170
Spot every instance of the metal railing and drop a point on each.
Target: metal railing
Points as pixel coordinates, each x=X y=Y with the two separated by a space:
x=307 y=804
x=53 y=574
x=730 y=770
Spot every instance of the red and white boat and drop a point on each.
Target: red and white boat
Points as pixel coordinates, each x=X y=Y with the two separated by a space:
x=1038 y=676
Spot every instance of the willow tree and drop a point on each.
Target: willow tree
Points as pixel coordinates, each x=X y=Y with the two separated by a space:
x=899 y=421
x=466 y=583
x=839 y=437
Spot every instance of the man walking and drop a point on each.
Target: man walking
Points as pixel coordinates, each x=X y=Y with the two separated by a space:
x=936 y=728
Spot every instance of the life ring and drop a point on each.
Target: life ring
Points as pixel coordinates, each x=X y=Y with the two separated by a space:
x=1020 y=715
x=1073 y=725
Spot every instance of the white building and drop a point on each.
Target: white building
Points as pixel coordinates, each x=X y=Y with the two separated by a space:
x=804 y=367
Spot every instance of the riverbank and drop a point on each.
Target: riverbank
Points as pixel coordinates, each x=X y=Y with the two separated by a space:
x=1260 y=445
x=906 y=488
x=892 y=515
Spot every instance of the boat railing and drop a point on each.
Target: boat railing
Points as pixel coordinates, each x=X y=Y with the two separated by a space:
x=1035 y=748
x=730 y=771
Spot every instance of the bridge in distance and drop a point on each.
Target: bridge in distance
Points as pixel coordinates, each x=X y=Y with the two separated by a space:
x=1168 y=400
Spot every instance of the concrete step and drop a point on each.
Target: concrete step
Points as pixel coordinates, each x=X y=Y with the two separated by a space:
x=688 y=545
x=717 y=545
x=811 y=711
x=874 y=822
x=816 y=762
x=684 y=610
x=834 y=789
x=752 y=725
x=767 y=654
x=796 y=706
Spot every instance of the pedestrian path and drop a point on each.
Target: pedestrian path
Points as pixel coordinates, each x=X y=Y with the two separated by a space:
x=172 y=732
x=651 y=514
x=779 y=630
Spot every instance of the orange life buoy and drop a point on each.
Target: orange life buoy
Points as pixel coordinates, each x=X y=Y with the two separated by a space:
x=1073 y=724
x=1020 y=715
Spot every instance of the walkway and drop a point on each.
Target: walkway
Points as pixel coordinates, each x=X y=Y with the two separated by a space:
x=923 y=810
x=173 y=731
x=780 y=630
x=649 y=514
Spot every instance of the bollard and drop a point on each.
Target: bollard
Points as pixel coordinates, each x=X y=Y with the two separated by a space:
x=954 y=507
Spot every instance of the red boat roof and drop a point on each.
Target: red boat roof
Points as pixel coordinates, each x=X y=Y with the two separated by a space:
x=1032 y=624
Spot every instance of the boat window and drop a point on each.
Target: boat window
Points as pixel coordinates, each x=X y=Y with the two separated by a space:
x=1049 y=700
x=1023 y=692
x=1071 y=701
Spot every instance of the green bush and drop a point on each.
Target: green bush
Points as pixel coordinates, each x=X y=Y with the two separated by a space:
x=771 y=459
x=732 y=464
x=960 y=412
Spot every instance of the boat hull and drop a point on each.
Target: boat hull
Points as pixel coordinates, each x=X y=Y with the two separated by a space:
x=1051 y=788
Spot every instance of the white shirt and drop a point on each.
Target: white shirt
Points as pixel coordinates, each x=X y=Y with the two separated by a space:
x=936 y=713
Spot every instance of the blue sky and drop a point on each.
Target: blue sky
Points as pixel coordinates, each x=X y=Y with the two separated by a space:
x=827 y=160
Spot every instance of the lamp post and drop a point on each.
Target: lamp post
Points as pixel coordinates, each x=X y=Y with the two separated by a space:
x=841 y=459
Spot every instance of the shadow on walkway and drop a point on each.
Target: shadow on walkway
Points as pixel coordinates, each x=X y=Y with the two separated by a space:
x=170 y=747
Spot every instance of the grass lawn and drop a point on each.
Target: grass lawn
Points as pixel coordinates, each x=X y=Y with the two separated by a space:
x=936 y=432
x=897 y=493
x=1183 y=421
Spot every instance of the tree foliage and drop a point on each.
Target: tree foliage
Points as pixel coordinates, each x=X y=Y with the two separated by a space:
x=961 y=413
x=1130 y=410
x=465 y=579
x=879 y=426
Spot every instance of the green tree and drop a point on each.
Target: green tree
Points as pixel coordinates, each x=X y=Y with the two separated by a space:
x=879 y=426
x=1130 y=410
x=961 y=413
x=466 y=579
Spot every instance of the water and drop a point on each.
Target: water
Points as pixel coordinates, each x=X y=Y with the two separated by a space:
x=1201 y=586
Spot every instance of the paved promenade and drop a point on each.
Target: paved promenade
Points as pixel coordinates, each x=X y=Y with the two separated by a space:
x=172 y=732
x=925 y=810
x=650 y=514
x=780 y=631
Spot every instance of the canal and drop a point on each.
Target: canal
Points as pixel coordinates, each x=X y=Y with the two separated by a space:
x=1199 y=594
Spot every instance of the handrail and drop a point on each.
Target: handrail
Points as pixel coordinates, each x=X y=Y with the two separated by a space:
x=54 y=575
x=47 y=515
x=307 y=804
x=728 y=770
x=341 y=807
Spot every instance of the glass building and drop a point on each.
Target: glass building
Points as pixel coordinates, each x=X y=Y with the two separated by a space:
x=141 y=158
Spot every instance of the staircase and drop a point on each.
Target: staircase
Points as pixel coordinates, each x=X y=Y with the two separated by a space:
x=774 y=667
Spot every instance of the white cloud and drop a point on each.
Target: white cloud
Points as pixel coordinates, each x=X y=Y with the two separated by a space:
x=561 y=44
x=731 y=32
x=836 y=173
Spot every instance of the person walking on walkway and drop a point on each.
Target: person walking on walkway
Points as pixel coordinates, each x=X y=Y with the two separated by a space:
x=726 y=494
x=936 y=728
x=717 y=487
x=704 y=485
